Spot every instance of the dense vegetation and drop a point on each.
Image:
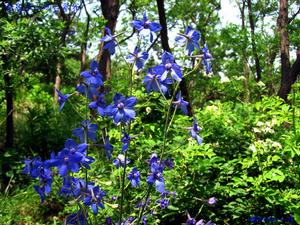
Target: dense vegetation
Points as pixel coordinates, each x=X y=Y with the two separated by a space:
x=240 y=80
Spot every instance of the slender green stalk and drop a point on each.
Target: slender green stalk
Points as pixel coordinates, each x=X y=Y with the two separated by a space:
x=123 y=187
x=172 y=118
x=145 y=204
x=294 y=111
x=200 y=210
x=86 y=134
x=170 y=106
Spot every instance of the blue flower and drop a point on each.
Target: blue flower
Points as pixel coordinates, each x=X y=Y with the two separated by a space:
x=192 y=221
x=108 y=221
x=126 y=140
x=212 y=201
x=138 y=57
x=62 y=99
x=67 y=160
x=206 y=59
x=70 y=158
x=122 y=109
x=156 y=177
x=154 y=82
x=86 y=126
x=81 y=149
x=38 y=169
x=120 y=161
x=127 y=222
x=109 y=40
x=134 y=177
x=191 y=38
x=93 y=77
x=71 y=186
x=164 y=203
x=181 y=103
x=76 y=219
x=108 y=147
x=33 y=167
x=194 y=130
x=146 y=25
x=169 y=66
x=99 y=105
x=144 y=220
x=153 y=159
x=41 y=191
x=169 y=163
x=94 y=198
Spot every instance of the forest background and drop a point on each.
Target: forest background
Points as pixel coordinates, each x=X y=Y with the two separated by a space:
x=247 y=106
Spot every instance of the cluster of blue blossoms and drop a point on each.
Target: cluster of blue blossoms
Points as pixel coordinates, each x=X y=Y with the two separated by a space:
x=74 y=156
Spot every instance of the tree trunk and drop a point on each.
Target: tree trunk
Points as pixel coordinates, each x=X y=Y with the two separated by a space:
x=246 y=68
x=110 y=11
x=57 y=80
x=9 y=140
x=86 y=37
x=166 y=47
x=270 y=64
x=282 y=22
x=67 y=20
x=253 y=43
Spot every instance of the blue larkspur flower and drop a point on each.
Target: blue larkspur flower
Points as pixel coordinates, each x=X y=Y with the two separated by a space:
x=109 y=41
x=194 y=130
x=138 y=57
x=41 y=191
x=146 y=25
x=206 y=59
x=154 y=82
x=81 y=149
x=93 y=77
x=170 y=67
x=94 y=198
x=144 y=220
x=108 y=147
x=182 y=104
x=39 y=169
x=76 y=219
x=120 y=161
x=212 y=201
x=62 y=99
x=134 y=177
x=191 y=38
x=99 y=105
x=125 y=140
x=89 y=128
x=33 y=167
x=126 y=222
x=108 y=221
x=163 y=202
x=72 y=187
x=156 y=177
x=70 y=158
x=192 y=221
x=122 y=109
x=68 y=161
x=169 y=163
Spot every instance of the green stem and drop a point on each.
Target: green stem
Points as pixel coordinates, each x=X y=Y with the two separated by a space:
x=123 y=187
x=294 y=112
x=86 y=134
x=161 y=90
x=145 y=204
x=172 y=118
x=199 y=210
x=170 y=106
